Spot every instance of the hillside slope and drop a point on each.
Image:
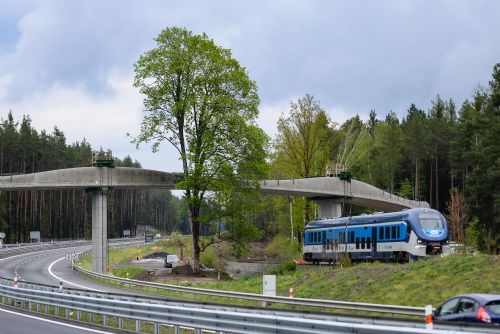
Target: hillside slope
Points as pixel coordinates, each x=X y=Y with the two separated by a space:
x=417 y=283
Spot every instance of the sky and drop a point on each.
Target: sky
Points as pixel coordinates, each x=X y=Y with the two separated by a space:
x=70 y=63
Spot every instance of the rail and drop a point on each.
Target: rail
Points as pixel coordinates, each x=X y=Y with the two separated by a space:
x=11 y=250
x=106 y=308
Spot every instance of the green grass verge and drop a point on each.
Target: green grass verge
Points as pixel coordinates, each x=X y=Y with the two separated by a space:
x=414 y=284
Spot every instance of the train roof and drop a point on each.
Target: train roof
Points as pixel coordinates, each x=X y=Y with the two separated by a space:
x=374 y=218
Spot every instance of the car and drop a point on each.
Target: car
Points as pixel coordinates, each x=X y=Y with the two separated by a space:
x=170 y=259
x=479 y=307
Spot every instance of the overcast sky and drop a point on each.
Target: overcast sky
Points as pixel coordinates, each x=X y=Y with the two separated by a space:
x=70 y=63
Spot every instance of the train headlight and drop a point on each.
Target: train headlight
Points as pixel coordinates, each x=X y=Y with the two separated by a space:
x=419 y=241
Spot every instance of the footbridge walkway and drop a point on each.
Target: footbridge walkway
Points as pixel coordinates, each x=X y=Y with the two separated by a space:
x=327 y=192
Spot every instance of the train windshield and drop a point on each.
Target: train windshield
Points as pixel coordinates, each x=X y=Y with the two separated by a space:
x=430 y=221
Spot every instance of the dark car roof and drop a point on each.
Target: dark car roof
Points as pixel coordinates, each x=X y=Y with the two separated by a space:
x=482 y=298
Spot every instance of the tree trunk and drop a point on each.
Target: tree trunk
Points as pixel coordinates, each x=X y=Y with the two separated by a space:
x=193 y=214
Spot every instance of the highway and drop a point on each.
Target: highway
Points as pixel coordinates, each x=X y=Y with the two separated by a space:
x=45 y=267
x=13 y=322
x=50 y=267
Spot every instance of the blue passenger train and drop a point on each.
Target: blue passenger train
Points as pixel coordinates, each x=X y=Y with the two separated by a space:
x=394 y=236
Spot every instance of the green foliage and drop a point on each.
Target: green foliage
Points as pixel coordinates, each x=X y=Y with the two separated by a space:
x=200 y=100
x=210 y=259
x=405 y=189
x=127 y=272
x=414 y=284
x=282 y=249
x=345 y=261
x=284 y=268
x=303 y=143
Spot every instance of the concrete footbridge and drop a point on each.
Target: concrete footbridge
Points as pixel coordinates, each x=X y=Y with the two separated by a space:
x=327 y=192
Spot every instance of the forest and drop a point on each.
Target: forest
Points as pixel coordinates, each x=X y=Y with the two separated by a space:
x=447 y=155
x=60 y=215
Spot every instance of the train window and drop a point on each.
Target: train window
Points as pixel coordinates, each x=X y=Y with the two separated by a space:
x=352 y=236
x=393 y=228
x=368 y=243
x=398 y=232
x=323 y=236
x=363 y=243
x=314 y=237
x=387 y=232
x=381 y=235
x=357 y=243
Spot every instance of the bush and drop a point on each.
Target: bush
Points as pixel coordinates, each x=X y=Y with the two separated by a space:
x=281 y=248
x=284 y=268
x=133 y=271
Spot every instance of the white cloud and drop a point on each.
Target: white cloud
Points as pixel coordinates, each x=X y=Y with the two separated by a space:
x=102 y=120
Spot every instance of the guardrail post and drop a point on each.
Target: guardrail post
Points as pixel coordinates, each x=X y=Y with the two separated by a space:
x=137 y=325
x=156 y=328
x=197 y=330
x=120 y=323
x=78 y=315
x=176 y=329
x=105 y=320
x=428 y=317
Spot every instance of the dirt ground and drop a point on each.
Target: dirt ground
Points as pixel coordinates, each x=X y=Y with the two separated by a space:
x=255 y=265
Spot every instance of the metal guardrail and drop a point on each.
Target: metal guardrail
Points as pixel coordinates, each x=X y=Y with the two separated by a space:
x=81 y=304
x=11 y=250
x=331 y=304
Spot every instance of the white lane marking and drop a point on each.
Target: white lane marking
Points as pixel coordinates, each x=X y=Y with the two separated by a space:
x=55 y=322
x=63 y=280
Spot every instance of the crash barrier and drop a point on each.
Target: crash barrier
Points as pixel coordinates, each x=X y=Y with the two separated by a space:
x=16 y=249
x=133 y=313
x=260 y=299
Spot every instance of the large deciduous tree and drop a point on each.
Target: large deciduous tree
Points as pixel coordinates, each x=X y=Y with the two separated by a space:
x=303 y=140
x=200 y=100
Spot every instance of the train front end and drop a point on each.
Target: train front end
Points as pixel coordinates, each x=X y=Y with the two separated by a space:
x=430 y=233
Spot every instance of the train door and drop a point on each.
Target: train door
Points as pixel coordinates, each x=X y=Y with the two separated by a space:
x=374 y=241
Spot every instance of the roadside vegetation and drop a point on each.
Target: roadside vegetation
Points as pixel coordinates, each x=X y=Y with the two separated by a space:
x=415 y=284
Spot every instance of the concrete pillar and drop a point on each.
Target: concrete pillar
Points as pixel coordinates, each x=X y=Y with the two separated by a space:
x=100 y=230
x=328 y=207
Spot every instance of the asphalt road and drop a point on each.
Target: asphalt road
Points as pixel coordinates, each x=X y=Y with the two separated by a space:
x=13 y=322
x=50 y=267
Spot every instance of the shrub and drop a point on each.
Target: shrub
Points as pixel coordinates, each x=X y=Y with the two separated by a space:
x=284 y=268
x=282 y=249
x=133 y=271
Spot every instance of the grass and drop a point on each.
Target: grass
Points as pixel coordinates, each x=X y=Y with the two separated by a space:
x=414 y=284
x=125 y=255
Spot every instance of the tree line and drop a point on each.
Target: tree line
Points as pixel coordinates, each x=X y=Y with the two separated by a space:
x=448 y=156
x=67 y=214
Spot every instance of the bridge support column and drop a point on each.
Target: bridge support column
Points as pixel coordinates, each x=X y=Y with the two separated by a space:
x=100 y=230
x=328 y=207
